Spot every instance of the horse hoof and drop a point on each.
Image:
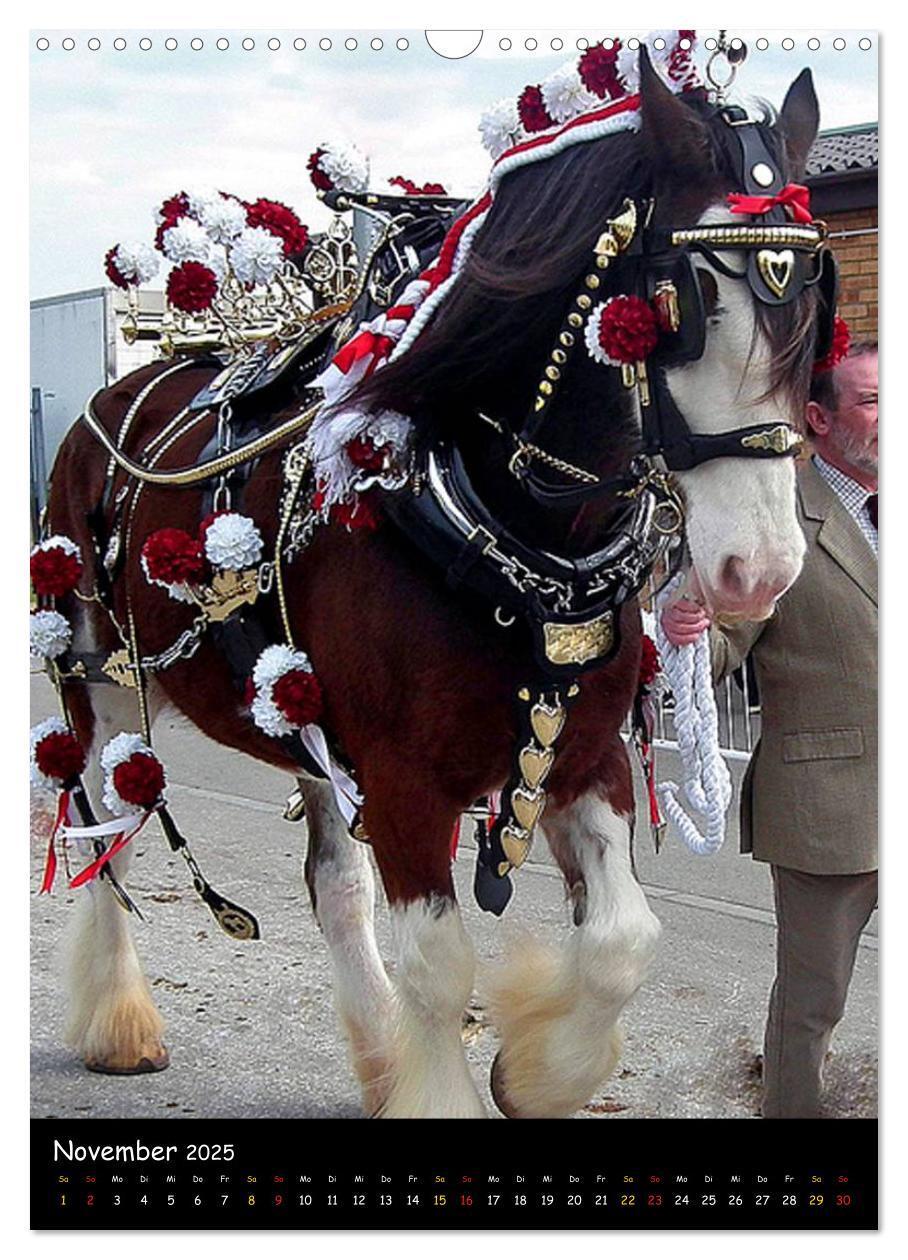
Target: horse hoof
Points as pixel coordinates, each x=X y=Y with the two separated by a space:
x=499 y=1090
x=143 y=1066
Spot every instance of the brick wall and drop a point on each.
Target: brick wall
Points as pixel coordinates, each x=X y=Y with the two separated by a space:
x=858 y=262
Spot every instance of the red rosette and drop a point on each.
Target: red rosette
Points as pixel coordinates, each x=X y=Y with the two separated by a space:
x=360 y=514
x=649 y=662
x=628 y=330
x=316 y=174
x=54 y=571
x=841 y=344
x=60 y=756
x=365 y=454
x=298 y=695
x=533 y=114
x=139 y=780
x=598 y=70
x=112 y=271
x=173 y=556
x=192 y=287
x=281 y=221
x=174 y=208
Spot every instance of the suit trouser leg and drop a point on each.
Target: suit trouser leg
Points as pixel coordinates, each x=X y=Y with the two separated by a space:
x=819 y=919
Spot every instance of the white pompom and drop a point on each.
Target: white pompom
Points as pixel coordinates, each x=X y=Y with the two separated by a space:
x=232 y=541
x=49 y=634
x=257 y=255
x=186 y=241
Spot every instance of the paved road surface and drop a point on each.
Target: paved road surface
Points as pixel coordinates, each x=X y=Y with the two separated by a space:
x=251 y=1028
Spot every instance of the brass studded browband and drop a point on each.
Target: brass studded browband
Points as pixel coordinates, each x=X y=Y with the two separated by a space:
x=797 y=235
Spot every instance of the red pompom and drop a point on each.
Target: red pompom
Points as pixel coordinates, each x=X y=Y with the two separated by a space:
x=649 y=662
x=172 y=555
x=298 y=695
x=112 y=271
x=192 y=287
x=281 y=221
x=628 y=331
x=364 y=454
x=316 y=174
x=54 y=571
x=174 y=208
x=532 y=110
x=60 y=756
x=357 y=515
x=841 y=344
x=140 y=780
x=598 y=71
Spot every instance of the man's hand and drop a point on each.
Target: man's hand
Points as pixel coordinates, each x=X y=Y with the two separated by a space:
x=684 y=622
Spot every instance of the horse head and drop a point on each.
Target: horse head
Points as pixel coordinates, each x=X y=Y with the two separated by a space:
x=688 y=205
x=745 y=545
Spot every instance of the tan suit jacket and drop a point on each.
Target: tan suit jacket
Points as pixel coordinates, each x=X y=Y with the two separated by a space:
x=809 y=799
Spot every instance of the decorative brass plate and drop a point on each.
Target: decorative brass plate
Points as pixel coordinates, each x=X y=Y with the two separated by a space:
x=228 y=591
x=516 y=844
x=781 y=439
x=535 y=764
x=583 y=641
x=527 y=806
x=776 y=268
x=118 y=668
x=547 y=722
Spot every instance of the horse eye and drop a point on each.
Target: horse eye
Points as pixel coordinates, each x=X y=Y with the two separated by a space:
x=710 y=291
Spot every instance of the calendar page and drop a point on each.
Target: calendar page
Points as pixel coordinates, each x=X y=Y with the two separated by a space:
x=454 y=525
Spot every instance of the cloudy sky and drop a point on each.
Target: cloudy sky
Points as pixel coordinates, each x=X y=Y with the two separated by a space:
x=114 y=132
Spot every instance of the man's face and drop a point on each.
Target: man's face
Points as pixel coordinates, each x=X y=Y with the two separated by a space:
x=852 y=432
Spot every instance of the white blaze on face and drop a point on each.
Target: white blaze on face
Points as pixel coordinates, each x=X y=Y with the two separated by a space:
x=745 y=542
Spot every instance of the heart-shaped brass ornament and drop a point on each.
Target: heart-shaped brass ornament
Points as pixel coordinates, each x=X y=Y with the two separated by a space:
x=516 y=844
x=534 y=764
x=546 y=722
x=527 y=806
x=776 y=268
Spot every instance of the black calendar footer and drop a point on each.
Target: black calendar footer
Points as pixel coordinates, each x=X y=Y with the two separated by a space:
x=349 y=1174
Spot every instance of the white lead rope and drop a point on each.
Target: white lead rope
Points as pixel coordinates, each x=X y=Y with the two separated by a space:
x=707 y=782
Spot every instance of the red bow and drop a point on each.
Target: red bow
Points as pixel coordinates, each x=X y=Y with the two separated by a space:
x=794 y=195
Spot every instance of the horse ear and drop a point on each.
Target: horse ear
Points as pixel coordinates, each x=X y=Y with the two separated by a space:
x=799 y=120
x=673 y=134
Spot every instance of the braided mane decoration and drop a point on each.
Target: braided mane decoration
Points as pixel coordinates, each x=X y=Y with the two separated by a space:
x=391 y=335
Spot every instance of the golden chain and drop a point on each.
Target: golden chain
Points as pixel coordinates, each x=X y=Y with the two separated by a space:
x=536 y=452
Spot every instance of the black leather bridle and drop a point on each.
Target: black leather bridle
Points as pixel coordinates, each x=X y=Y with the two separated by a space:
x=781 y=259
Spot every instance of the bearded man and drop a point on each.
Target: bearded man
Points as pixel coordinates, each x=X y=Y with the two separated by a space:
x=809 y=798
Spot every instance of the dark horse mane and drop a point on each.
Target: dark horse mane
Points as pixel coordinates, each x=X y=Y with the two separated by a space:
x=484 y=349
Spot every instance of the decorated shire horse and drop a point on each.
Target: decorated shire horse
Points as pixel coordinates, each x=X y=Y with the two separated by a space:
x=634 y=293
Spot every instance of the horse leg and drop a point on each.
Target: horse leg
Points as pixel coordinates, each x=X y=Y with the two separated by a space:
x=433 y=979
x=557 y=1012
x=341 y=887
x=112 y=1021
